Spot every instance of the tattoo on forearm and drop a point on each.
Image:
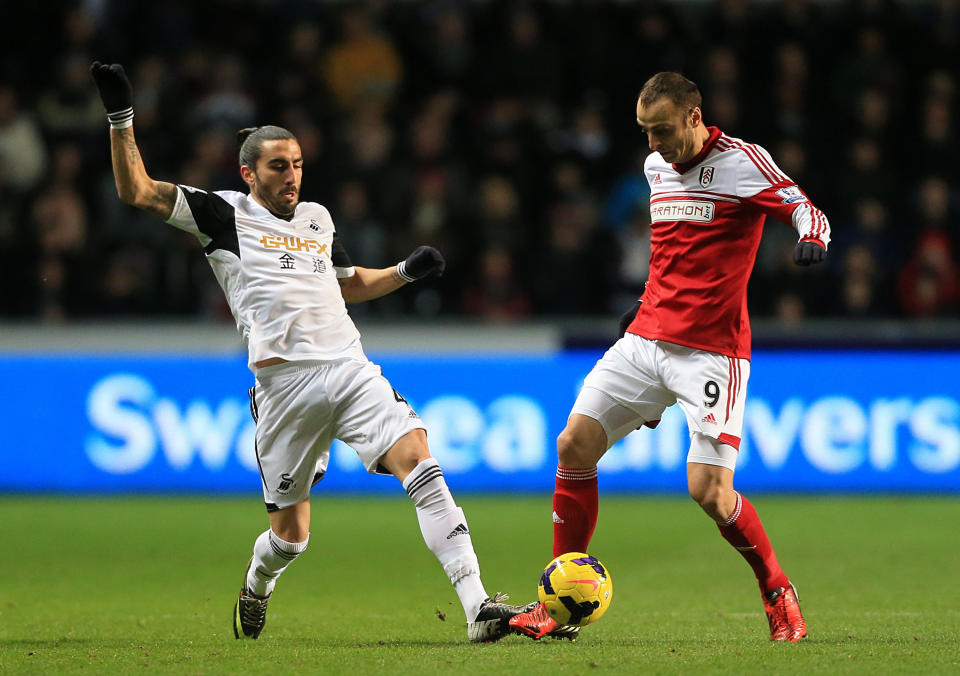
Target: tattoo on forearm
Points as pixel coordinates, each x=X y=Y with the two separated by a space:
x=130 y=146
x=160 y=197
x=163 y=200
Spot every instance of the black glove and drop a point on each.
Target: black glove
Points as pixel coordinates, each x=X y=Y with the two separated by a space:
x=115 y=92
x=807 y=252
x=627 y=317
x=425 y=261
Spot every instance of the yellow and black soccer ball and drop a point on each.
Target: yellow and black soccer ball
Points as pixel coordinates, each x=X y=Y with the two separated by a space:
x=576 y=589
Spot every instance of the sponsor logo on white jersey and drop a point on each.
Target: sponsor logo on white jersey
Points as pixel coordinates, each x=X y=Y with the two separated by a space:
x=292 y=243
x=698 y=211
x=791 y=195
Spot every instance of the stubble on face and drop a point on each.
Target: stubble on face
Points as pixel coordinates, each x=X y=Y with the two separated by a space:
x=668 y=129
x=277 y=179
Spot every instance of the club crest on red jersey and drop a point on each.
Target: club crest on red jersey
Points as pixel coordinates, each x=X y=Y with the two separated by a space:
x=706 y=176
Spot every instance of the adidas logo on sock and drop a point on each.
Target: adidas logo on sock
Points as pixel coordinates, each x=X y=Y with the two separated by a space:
x=557 y=519
x=709 y=419
x=459 y=530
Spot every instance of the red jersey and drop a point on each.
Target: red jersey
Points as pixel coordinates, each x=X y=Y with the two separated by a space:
x=706 y=219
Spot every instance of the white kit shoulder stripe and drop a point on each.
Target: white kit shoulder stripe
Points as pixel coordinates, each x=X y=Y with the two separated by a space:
x=761 y=166
x=757 y=156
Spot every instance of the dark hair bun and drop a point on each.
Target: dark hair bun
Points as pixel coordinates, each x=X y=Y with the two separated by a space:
x=244 y=133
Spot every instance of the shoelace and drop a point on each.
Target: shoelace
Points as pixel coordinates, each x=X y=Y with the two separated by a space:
x=253 y=610
x=779 y=616
x=539 y=614
x=778 y=612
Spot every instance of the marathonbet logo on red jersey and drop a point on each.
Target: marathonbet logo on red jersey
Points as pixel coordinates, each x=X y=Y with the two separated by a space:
x=694 y=210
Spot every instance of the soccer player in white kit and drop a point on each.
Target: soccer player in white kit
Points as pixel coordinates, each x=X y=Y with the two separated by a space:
x=287 y=278
x=687 y=340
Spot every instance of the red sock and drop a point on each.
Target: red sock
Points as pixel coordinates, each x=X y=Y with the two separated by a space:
x=574 y=509
x=745 y=532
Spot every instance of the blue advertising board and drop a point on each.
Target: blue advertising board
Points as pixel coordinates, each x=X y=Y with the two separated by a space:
x=815 y=422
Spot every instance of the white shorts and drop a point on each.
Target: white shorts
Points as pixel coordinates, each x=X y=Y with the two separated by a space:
x=637 y=378
x=301 y=407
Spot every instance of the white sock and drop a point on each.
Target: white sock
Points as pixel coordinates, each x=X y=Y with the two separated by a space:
x=271 y=556
x=446 y=533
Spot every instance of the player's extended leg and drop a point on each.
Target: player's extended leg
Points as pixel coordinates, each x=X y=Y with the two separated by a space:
x=575 y=506
x=274 y=550
x=446 y=534
x=575 y=498
x=711 y=486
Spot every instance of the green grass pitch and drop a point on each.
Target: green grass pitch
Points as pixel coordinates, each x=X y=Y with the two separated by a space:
x=147 y=585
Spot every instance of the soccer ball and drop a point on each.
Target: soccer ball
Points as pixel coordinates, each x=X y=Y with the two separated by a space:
x=576 y=589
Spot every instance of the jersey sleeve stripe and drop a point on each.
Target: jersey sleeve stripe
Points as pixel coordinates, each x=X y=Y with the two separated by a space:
x=762 y=163
x=769 y=163
x=818 y=221
x=817 y=228
x=760 y=167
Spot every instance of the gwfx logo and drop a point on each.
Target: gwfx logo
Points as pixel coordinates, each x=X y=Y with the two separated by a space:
x=286 y=484
x=292 y=243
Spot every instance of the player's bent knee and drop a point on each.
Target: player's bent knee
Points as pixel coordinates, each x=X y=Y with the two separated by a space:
x=295 y=537
x=574 y=450
x=714 y=497
x=708 y=497
x=408 y=452
x=292 y=524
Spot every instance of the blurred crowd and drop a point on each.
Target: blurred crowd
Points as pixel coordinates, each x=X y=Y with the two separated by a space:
x=502 y=132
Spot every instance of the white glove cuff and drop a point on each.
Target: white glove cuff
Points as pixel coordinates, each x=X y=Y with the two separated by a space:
x=402 y=271
x=121 y=119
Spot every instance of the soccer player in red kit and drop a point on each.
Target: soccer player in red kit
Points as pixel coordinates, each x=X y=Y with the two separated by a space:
x=687 y=339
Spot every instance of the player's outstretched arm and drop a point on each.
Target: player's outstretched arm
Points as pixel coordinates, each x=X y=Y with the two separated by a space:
x=134 y=185
x=368 y=283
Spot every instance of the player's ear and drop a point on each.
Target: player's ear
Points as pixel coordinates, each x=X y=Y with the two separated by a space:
x=695 y=116
x=246 y=173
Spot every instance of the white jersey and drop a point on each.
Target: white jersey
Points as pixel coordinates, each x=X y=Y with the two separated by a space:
x=280 y=277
